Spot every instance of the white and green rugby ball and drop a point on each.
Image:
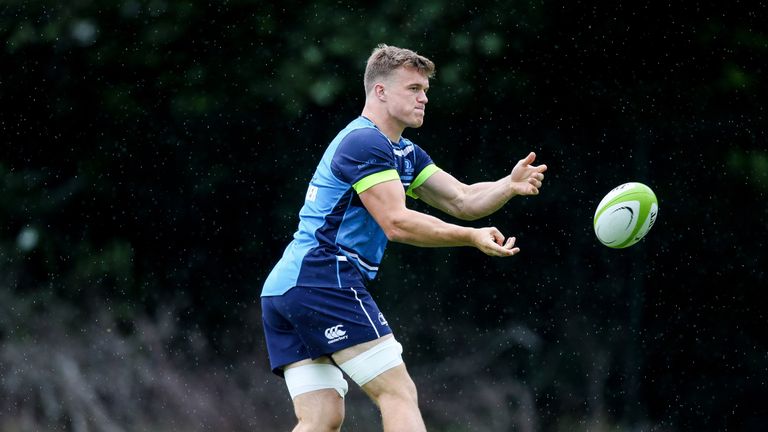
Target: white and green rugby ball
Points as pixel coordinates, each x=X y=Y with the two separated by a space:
x=625 y=215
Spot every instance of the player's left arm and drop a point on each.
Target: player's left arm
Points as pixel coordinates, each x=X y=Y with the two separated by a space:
x=469 y=202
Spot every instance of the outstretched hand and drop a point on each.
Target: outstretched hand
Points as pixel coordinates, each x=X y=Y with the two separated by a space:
x=526 y=178
x=491 y=242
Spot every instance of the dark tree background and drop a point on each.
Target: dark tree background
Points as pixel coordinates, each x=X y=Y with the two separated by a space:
x=155 y=155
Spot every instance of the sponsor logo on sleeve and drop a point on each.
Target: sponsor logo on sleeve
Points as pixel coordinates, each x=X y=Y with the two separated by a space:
x=366 y=163
x=311 y=193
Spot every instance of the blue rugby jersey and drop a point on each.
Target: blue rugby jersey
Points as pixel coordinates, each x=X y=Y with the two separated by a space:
x=338 y=243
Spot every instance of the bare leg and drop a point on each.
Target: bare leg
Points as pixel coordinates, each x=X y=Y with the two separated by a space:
x=393 y=391
x=319 y=410
x=395 y=394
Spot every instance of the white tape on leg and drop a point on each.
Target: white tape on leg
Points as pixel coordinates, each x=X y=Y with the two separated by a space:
x=373 y=362
x=311 y=377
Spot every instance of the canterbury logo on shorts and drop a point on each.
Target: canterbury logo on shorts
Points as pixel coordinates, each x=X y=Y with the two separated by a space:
x=335 y=333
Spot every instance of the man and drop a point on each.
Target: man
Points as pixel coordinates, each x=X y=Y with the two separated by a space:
x=319 y=319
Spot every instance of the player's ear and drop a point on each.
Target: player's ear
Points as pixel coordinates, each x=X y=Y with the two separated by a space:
x=378 y=90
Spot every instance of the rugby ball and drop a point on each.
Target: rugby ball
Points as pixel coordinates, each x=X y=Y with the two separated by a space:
x=625 y=215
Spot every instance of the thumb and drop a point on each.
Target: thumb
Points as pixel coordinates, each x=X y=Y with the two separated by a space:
x=496 y=236
x=529 y=159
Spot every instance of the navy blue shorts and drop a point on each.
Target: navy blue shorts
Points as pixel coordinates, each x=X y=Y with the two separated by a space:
x=309 y=322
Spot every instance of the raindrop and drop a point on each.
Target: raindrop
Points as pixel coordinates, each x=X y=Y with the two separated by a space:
x=27 y=239
x=84 y=31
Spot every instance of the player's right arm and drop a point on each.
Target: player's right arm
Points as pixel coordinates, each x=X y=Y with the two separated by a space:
x=386 y=203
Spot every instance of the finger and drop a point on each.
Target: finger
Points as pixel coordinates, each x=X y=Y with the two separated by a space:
x=510 y=243
x=495 y=250
x=500 y=252
x=497 y=237
x=509 y=252
x=541 y=168
x=529 y=159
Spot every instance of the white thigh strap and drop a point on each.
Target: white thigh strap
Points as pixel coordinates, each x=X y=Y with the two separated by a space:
x=372 y=363
x=311 y=377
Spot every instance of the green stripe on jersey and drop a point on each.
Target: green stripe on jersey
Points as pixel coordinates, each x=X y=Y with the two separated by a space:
x=368 y=182
x=421 y=178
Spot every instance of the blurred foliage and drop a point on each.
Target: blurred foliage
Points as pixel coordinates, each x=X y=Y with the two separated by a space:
x=156 y=152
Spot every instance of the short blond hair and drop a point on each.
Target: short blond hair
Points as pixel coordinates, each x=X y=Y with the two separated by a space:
x=386 y=58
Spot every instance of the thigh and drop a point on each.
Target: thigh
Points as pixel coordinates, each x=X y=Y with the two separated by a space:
x=393 y=381
x=320 y=407
x=319 y=360
x=349 y=353
x=365 y=362
x=310 y=375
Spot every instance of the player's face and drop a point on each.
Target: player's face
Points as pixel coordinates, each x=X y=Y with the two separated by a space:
x=406 y=91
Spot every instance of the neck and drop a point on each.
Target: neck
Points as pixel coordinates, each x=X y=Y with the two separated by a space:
x=386 y=124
